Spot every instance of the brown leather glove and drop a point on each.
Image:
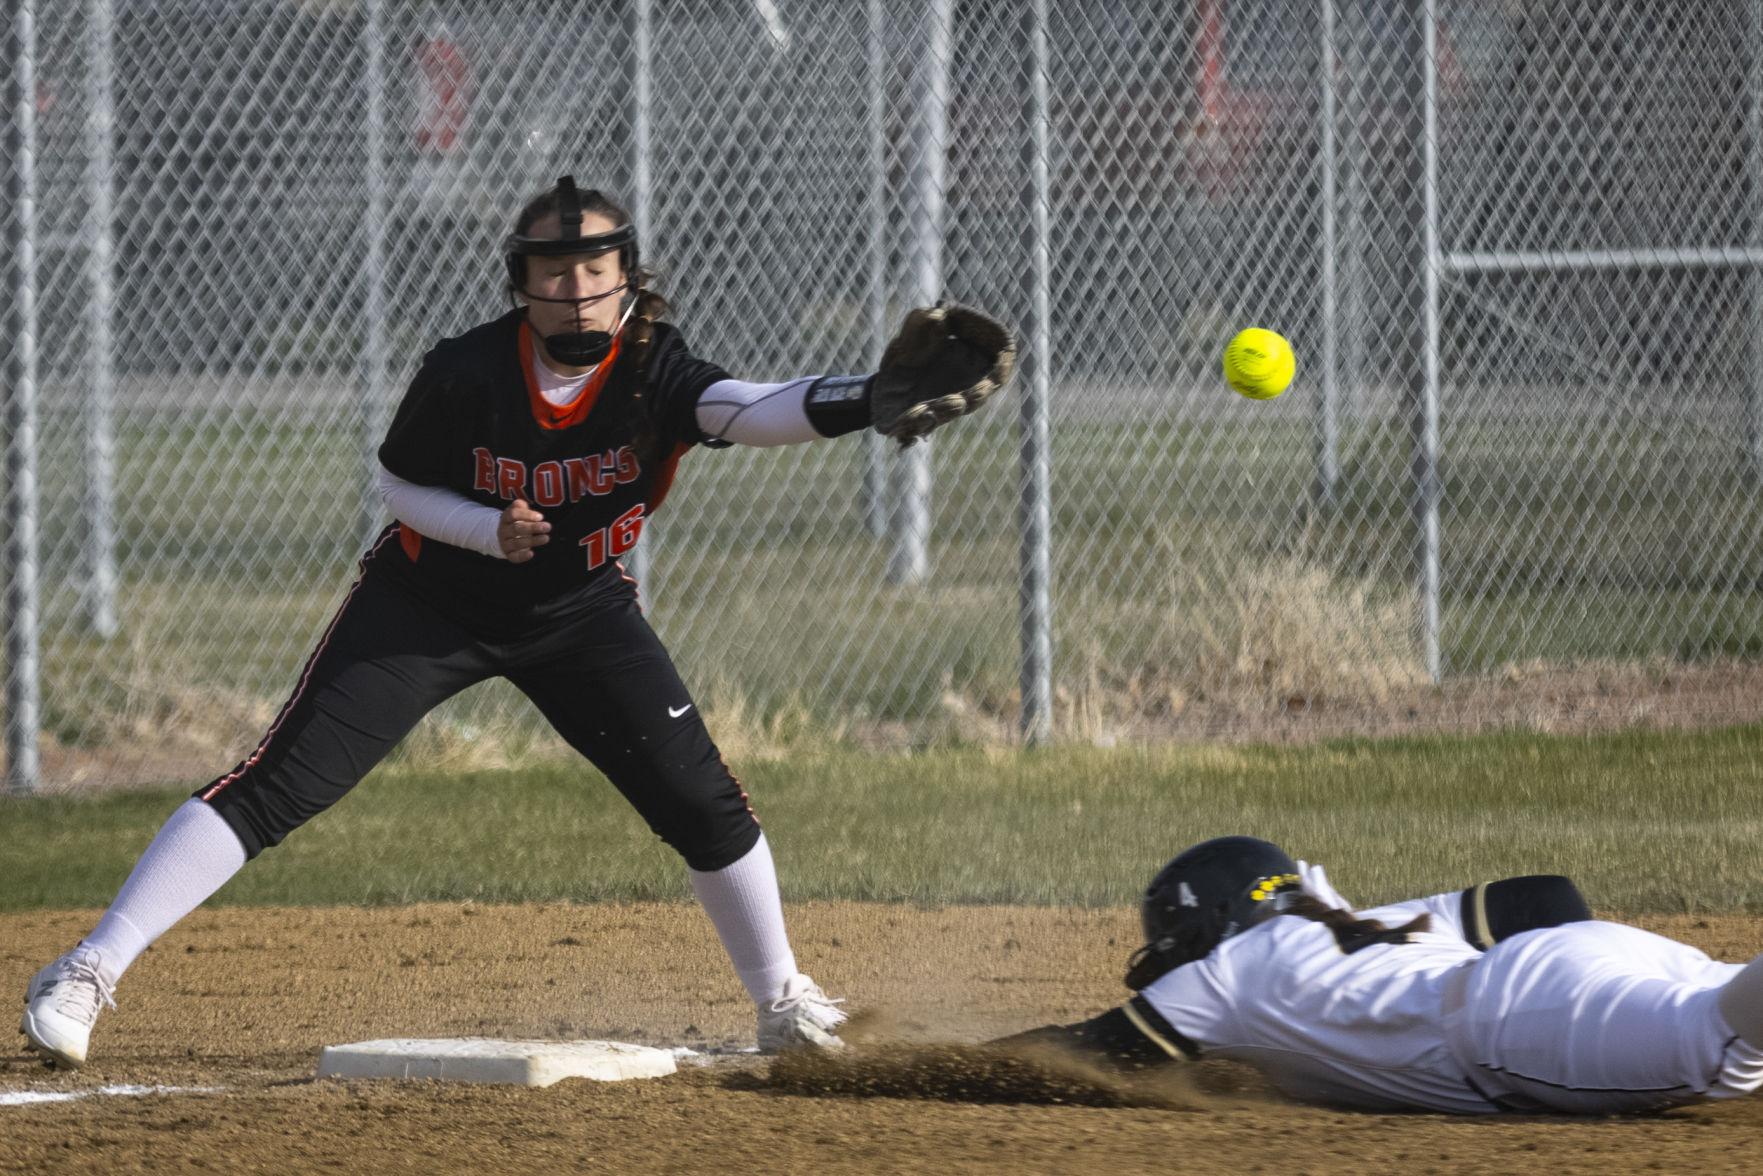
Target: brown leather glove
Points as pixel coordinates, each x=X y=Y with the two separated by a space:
x=946 y=361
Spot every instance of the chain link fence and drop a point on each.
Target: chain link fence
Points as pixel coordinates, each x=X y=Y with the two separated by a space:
x=1516 y=247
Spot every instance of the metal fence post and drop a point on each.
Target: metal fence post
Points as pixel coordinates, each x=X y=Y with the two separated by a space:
x=1351 y=236
x=19 y=553
x=909 y=563
x=1423 y=391
x=372 y=361
x=1327 y=422
x=639 y=561
x=1035 y=513
x=99 y=591
x=1754 y=278
x=875 y=447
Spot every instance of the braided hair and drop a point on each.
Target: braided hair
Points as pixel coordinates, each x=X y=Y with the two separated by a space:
x=1353 y=934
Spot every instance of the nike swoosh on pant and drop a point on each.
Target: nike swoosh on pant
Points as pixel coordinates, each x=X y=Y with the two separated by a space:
x=674 y=714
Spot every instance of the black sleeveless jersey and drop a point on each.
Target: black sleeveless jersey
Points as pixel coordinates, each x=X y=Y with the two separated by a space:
x=473 y=422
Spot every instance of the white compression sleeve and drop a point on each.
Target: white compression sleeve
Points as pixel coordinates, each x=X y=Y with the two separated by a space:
x=191 y=857
x=443 y=515
x=757 y=414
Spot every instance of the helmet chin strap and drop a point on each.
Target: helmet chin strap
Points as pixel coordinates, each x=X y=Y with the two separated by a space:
x=587 y=349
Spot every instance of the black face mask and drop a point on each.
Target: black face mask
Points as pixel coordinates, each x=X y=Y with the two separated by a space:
x=580 y=348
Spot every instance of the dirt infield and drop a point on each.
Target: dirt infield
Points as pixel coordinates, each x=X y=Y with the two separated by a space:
x=242 y=1000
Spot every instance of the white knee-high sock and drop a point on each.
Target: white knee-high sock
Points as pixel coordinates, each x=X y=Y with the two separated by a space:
x=191 y=857
x=742 y=901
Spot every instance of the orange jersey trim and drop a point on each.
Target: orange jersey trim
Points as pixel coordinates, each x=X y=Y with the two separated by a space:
x=549 y=415
x=664 y=477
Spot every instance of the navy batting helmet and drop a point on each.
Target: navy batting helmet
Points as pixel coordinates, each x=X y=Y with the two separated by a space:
x=1205 y=895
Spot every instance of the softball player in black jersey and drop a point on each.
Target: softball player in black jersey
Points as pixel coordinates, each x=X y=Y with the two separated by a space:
x=525 y=459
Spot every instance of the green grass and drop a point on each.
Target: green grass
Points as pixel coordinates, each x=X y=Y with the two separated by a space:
x=1645 y=822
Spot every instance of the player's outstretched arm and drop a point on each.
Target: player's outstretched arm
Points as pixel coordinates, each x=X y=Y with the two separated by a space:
x=945 y=362
x=735 y=412
x=1133 y=1037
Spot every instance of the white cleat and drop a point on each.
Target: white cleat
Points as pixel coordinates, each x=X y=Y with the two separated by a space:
x=803 y=1017
x=61 y=1006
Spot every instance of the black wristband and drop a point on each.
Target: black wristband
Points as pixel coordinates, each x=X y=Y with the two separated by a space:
x=837 y=405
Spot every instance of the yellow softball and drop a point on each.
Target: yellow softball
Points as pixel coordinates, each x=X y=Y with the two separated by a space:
x=1259 y=363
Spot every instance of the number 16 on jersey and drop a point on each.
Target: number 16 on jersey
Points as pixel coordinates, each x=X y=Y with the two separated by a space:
x=613 y=541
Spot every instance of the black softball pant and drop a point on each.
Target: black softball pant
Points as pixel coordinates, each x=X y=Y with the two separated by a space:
x=603 y=681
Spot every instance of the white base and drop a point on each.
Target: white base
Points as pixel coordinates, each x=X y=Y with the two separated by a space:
x=482 y=1059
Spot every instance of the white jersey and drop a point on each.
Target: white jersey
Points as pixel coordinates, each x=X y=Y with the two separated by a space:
x=1358 y=1030
x=1589 y=1017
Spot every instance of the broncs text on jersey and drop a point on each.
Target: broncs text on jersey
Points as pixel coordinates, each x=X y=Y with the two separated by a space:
x=553 y=482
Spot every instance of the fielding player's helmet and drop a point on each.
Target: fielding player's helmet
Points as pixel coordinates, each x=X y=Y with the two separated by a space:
x=576 y=347
x=1204 y=896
